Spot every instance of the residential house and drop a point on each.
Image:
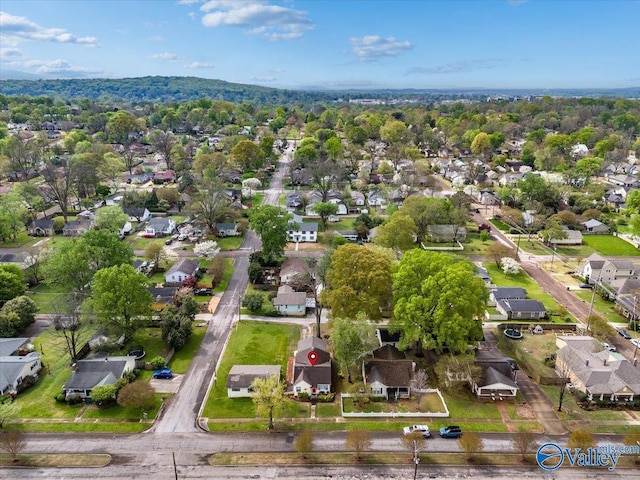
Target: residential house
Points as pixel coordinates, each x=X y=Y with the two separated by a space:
x=375 y=198
x=14 y=346
x=22 y=259
x=614 y=272
x=506 y=293
x=41 y=227
x=293 y=200
x=158 y=227
x=241 y=378
x=164 y=176
x=300 y=231
x=595 y=226
x=571 y=237
x=389 y=378
x=14 y=369
x=311 y=378
x=626 y=181
x=95 y=372
x=227 y=230
x=162 y=296
x=628 y=298
x=495 y=385
x=139 y=178
x=291 y=268
x=600 y=375
x=591 y=267
x=137 y=214
x=446 y=233
x=349 y=235
x=388 y=352
x=76 y=228
x=521 y=309
x=357 y=198
x=290 y=303
x=181 y=270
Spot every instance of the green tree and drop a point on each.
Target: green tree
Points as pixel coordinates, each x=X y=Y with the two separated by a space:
x=481 y=145
x=121 y=126
x=209 y=204
x=11 y=282
x=358 y=280
x=399 y=233
x=268 y=397
x=253 y=301
x=438 y=301
x=176 y=327
x=155 y=253
x=120 y=299
x=271 y=223
x=395 y=133
x=24 y=308
x=633 y=201
x=12 y=213
x=325 y=210
x=104 y=394
x=137 y=394
x=8 y=411
x=111 y=218
x=247 y=155
x=351 y=340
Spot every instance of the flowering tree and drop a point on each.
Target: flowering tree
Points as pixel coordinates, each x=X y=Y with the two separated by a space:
x=249 y=187
x=208 y=249
x=510 y=266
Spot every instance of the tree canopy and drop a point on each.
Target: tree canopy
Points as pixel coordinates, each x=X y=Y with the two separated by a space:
x=438 y=301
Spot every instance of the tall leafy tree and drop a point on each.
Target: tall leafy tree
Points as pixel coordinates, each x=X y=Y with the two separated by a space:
x=351 y=340
x=399 y=233
x=271 y=223
x=247 y=155
x=358 y=280
x=268 y=397
x=325 y=210
x=438 y=302
x=111 y=218
x=120 y=299
x=11 y=282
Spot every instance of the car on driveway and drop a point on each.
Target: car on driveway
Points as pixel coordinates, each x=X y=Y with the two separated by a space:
x=585 y=285
x=607 y=346
x=421 y=429
x=163 y=373
x=635 y=342
x=623 y=333
x=452 y=431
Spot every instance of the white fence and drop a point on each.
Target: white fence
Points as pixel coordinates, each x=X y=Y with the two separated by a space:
x=395 y=414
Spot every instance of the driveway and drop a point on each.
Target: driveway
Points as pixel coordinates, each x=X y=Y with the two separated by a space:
x=166 y=385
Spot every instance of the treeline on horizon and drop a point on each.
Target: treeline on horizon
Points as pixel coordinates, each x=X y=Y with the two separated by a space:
x=177 y=89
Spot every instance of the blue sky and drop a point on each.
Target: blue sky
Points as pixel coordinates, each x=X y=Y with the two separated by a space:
x=330 y=44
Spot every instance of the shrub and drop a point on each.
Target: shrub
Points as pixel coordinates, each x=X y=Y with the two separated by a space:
x=303 y=396
x=158 y=362
x=60 y=397
x=253 y=301
x=326 y=397
x=74 y=399
x=27 y=381
x=104 y=394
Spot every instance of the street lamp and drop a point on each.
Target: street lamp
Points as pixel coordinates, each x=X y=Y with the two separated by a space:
x=635 y=328
x=239 y=305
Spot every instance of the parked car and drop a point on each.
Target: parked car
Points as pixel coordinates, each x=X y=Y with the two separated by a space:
x=452 y=431
x=182 y=237
x=168 y=241
x=623 y=333
x=163 y=373
x=585 y=285
x=606 y=346
x=203 y=291
x=635 y=342
x=421 y=429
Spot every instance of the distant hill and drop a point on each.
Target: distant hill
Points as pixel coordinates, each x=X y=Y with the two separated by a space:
x=16 y=75
x=179 y=89
x=157 y=89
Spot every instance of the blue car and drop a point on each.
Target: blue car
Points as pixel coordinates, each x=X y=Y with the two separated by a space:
x=163 y=373
x=451 y=432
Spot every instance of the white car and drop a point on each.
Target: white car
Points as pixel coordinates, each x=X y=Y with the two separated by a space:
x=635 y=342
x=421 y=429
x=611 y=348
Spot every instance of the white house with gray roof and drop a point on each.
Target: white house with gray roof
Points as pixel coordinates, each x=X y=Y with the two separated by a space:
x=95 y=372
x=241 y=378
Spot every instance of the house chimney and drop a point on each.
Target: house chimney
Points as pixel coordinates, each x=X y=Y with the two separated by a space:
x=586 y=362
x=604 y=362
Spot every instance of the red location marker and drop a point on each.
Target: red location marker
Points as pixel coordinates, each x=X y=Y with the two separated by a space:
x=313 y=357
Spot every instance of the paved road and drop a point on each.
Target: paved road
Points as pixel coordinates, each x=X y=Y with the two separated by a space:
x=183 y=410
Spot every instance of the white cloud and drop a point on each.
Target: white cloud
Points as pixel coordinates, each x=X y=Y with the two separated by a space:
x=199 y=65
x=16 y=29
x=258 y=18
x=169 y=57
x=10 y=52
x=372 y=47
x=62 y=68
x=463 y=66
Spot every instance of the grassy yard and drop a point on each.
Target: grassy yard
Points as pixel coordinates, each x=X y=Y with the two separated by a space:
x=534 y=290
x=46 y=297
x=182 y=358
x=226 y=276
x=247 y=346
x=22 y=240
x=499 y=225
x=602 y=306
x=229 y=243
x=266 y=302
x=121 y=413
x=141 y=243
x=465 y=405
x=610 y=245
x=535 y=348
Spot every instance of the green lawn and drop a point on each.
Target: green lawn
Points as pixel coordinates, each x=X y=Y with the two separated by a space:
x=465 y=405
x=229 y=243
x=151 y=340
x=122 y=413
x=226 y=276
x=46 y=297
x=500 y=225
x=85 y=427
x=248 y=346
x=534 y=291
x=182 y=358
x=141 y=243
x=602 y=306
x=22 y=240
x=611 y=245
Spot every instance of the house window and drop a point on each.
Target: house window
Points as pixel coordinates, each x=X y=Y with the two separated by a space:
x=323 y=387
x=298 y=389
x=376 y=391
x=235 y=389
